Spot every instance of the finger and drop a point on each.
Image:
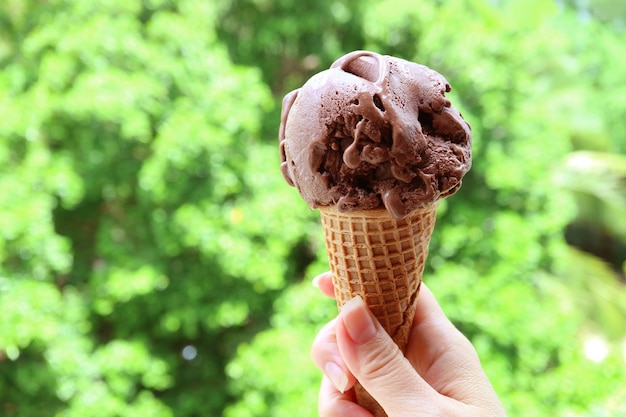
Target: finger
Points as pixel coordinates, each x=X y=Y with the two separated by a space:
x=325 y=354
x=427 y=306
x=325 y=283
x=442 y=355
x=433 y=336
x=378 y=364
x=333 y=403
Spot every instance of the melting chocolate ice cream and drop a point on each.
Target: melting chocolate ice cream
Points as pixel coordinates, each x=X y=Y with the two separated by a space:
x=374 y=131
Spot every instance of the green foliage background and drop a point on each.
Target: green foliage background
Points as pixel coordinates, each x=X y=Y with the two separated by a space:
x=153 y=261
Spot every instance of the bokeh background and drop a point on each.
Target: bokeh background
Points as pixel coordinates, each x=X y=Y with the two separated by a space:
x=154 y=263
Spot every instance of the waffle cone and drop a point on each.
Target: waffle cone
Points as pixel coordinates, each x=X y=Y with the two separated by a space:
x=381 y=259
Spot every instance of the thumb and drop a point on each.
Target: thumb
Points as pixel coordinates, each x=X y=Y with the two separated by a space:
x=379 y=365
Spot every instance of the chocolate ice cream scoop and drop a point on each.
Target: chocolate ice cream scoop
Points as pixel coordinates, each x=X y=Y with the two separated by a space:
x=374 y=131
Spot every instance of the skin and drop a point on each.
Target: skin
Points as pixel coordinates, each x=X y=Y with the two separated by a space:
x=440 y=375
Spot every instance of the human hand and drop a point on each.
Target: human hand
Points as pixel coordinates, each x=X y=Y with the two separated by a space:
x=439 y=375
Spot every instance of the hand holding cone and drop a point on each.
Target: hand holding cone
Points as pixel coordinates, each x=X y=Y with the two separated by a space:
x=381 y=259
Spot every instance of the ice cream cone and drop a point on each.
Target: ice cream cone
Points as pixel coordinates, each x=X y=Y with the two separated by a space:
x=381 y=259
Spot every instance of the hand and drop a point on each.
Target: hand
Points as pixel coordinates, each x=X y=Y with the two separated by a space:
x=440 y=375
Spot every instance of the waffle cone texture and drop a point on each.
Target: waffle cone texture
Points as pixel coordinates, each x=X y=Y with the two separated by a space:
x=381 y=259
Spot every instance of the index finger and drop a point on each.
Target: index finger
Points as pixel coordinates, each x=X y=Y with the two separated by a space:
x=325 y=283
x=441 y=354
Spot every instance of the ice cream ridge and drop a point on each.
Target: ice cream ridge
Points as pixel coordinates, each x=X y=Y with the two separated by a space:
x=374 y=144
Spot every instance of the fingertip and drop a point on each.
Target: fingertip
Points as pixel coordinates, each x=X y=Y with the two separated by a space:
x=324 y=346
x=430 y=323
x=360 y=324
x=338 y=376
x=426 y=291
x=324 y=282
x=333 y=403
x=316 y=280
x=428 y=307
x=326 y=356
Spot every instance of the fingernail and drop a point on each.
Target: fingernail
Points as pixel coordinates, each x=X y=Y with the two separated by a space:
x=337 y=376
x=316 y=281
x=358 y=320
